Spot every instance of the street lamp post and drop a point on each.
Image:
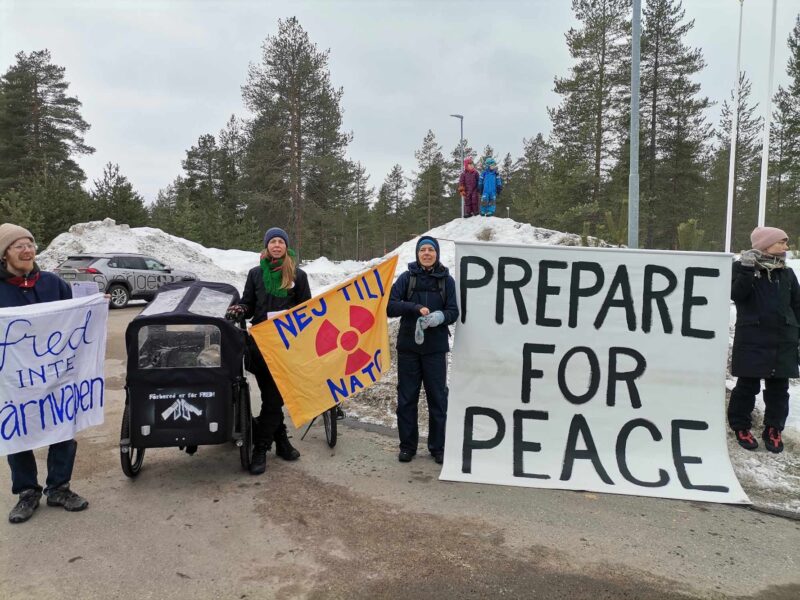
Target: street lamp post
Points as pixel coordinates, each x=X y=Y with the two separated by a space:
x=461 y=145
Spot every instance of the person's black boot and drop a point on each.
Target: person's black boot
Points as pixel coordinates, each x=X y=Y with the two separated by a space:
x=283 y=447
x=258 y=464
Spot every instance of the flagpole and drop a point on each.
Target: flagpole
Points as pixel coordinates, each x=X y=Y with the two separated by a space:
x=762 y=194
x=633 y=175
x=734 y=133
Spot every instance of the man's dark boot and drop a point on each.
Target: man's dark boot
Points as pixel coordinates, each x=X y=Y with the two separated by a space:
x=259 y=462
x=283 y=447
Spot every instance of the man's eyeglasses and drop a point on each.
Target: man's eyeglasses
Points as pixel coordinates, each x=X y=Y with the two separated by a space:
x=21 y=247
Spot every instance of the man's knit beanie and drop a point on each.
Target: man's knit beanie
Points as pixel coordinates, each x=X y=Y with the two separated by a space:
x=10 y=233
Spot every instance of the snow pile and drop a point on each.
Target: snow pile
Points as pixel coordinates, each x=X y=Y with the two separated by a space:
x=106 y=236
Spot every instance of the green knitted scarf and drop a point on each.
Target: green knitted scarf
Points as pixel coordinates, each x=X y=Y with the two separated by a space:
x=271 y=273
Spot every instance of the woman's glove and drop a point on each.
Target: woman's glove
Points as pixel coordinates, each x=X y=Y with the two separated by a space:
x=433 y=319
x=235 y=312
x=748 y=258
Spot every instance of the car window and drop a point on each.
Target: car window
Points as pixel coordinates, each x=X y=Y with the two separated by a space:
x=137 y=263
x=77 y=262
x=154 y=265
x=129 y=262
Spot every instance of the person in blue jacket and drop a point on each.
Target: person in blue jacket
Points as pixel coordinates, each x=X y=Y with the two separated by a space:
x=490 y=184
x=424 y=297
x=22 y=283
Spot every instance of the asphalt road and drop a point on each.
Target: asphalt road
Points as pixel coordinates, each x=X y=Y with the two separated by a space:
x=355 y=523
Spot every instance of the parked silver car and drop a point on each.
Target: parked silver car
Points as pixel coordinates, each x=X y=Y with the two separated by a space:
x=124 y=276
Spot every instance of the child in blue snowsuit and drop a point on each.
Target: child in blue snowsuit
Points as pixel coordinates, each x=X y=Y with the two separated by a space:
x=490 y=184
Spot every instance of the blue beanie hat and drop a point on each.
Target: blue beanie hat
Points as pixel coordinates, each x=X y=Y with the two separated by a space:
x=275 y=232
x=429 y=240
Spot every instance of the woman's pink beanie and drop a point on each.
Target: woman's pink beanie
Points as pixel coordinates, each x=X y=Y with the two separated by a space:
x=763 y=237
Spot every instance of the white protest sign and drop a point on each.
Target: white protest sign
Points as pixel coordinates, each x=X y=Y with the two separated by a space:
x=591 y=369
x=51 y=371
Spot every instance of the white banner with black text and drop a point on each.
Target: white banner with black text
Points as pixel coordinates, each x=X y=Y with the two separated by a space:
x=591 y=369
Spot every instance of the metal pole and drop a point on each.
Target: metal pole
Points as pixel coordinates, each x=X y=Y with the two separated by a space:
x=762 y=194
x=633 y=177
x=734 y=134
x=461 y=145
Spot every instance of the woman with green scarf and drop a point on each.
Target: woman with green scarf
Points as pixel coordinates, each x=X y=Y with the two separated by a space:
x=273 y=286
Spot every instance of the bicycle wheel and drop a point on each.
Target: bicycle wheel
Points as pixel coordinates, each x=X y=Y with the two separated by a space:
x=329 y=419
x=130 y=458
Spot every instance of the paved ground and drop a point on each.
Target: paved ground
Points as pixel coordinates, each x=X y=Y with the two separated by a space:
x=355 y=523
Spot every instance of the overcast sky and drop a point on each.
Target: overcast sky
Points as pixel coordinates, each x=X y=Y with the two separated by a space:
x=155 y=75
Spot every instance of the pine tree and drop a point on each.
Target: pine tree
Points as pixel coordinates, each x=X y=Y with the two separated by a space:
x=488 y=151
x=429 y=205
x=675 y=133
x=203 y=181
x=41 y=128
x=394 y=187
x=528 y=195
x=381 y=226
x=588 y=125
x=746 y=173
x=293 y=99
x=113 y=196
x=362 y=194
x=783 y=197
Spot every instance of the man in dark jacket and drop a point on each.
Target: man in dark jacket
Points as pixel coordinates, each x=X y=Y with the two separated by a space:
x=424 y=297
x=765 y=345
x=22 y=283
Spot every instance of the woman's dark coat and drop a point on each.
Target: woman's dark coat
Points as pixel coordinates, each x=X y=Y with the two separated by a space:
x=426 y=293
x=767 y=322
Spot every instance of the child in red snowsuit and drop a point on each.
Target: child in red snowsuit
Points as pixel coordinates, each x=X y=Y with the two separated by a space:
x=468 y=188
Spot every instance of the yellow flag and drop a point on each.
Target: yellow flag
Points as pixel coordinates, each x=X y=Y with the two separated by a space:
x=325 y=350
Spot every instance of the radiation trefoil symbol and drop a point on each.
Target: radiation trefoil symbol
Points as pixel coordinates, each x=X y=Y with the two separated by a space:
x=330 y=338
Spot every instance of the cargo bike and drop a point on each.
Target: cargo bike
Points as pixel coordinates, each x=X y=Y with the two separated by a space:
x=185 y=385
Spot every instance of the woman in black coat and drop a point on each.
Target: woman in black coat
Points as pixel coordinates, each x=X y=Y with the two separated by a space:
x=424 y=297
x=273 y=286
x=765 y=345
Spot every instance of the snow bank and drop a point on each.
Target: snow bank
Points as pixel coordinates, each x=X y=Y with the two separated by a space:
x=210 y=264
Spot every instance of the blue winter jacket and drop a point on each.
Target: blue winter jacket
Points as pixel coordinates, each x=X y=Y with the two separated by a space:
x=426 y=293
x=48 y=288
x=490 y=183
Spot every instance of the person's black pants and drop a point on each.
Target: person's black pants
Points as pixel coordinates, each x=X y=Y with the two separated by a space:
x=413 y=371
x=270 y=421
x=743 y=400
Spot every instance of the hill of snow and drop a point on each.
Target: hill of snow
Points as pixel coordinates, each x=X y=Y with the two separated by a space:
x=231 y=266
